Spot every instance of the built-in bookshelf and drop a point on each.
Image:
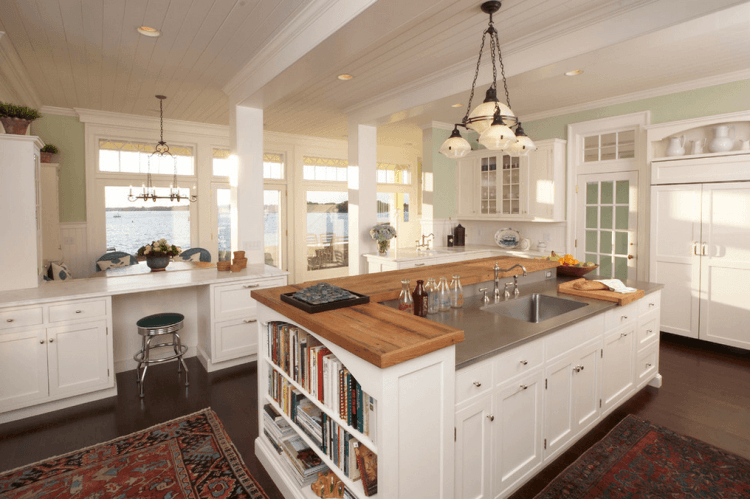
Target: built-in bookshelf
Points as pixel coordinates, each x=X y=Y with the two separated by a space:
x=407 y=432
x=322 y=401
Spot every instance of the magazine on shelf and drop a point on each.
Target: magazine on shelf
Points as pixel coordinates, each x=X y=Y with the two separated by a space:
x=368 y=467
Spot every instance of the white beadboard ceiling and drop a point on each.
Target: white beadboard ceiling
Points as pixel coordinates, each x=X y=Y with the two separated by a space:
x=87 y=54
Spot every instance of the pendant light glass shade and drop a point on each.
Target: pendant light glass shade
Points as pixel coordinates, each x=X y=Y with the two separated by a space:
x=522 y=146
x=484 y=112
x=497 y=136
x=455 y=146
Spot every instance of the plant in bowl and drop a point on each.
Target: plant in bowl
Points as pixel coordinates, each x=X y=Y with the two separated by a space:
x=158 y=254
x=16 y=119
x=47 y=152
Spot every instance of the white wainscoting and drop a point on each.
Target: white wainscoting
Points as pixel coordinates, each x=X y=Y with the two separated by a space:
x=75 y=249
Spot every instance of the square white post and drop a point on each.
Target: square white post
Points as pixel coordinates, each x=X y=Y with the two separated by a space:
x=247 y=132
x=362 y=194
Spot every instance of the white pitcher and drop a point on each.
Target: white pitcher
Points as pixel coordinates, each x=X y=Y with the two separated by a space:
x=676 y=146
x=723 y=140
x=698 y=146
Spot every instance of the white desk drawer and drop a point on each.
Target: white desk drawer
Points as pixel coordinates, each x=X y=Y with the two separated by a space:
x=233 y=300
x=78 y=310
x=648 y=330
x=649 y=303
x=473 y=380
x=520 y=360
x=19 y=317
x=619 y=316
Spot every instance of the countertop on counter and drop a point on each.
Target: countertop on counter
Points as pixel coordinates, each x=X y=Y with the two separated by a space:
x=405 y=254
x=49 y=291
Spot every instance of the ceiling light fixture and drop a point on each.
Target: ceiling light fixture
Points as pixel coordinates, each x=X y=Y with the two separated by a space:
x=148 y=31
x=345 y=77
x=574 y=72
x=492 y=120
x=161 y=150
x=457 y=104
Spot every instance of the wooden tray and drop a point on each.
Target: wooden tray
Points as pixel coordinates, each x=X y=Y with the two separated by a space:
x=600 y=294
x=324 y=307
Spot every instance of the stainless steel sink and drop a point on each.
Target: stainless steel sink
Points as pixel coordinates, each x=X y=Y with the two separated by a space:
x=534 y=308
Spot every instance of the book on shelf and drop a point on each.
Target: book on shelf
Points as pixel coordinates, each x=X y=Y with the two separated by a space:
x=368 y=468
x=304 y=463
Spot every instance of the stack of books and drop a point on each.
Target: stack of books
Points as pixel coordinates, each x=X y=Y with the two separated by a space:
x=276 y=428
x=302 y=462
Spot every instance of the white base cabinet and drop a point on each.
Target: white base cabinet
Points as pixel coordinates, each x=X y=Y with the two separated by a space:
x=54 y=352
x=518 y=411
x=227 y=334
x=379 y=264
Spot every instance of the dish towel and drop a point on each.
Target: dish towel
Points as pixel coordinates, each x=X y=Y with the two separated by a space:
x=617 y=286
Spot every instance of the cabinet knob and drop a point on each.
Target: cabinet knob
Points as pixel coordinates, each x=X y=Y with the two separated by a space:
x=419 y=264
x=524 y=362
x=9 y=320
x=523 y=387
x=250 y=321
x=41 y=342
x=79 y=311
x=652 y=304
x=477 y=384
x=624 y=317
x=246 y=286
x=51 y=340
x=648 y=364
x=649 y=331
x=490 y=417
x=623 y=335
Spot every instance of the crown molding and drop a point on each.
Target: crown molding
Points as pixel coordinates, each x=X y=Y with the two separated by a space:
x=108 y=118
x=708 y=81
x=304 y=32
x=14 y=73
x=59 y=111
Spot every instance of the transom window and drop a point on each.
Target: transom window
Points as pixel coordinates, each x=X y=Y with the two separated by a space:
x=609 y=146
x=324 y=169
x=273 y=166
x=388 y=173
x=122 y=156
x=221 y=163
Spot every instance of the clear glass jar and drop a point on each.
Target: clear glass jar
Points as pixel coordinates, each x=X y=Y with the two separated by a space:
x=444 y=295
x=433 y=305
x=405 y=300
x=457 y=292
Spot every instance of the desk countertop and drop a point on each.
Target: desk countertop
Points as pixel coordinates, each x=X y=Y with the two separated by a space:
x=50 y=291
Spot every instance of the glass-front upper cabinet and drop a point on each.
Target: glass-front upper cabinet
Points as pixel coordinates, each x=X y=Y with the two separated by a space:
x=511 y=182
x=488 y=180
x=490 y=186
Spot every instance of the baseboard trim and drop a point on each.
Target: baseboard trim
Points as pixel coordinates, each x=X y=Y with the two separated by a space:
x=55 y=405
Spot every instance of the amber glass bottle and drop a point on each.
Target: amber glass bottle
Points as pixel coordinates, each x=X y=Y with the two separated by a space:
x=420 y=299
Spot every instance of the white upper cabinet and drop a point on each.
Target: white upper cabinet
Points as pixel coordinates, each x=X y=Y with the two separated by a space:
x=494 y=186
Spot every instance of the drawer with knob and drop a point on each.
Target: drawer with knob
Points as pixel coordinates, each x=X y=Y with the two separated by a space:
x=473 y=380
x=620 y=316
x=234 y=300
x=84 y=309
x=19 y=317
x=649 y=303
x=648 y=331
x=647 y=364
x=520 y=360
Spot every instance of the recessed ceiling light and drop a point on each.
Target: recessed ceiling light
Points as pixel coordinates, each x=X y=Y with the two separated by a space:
x=345 y=77
x=574 y=72
x=145 y=30
x=458 y=104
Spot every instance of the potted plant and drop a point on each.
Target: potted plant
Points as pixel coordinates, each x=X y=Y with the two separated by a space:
x=158 y=254
x=383 y=235
x=47 y=152
x=16 y=119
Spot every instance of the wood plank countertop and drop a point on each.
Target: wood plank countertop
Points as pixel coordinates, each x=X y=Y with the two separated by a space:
x=385 y=336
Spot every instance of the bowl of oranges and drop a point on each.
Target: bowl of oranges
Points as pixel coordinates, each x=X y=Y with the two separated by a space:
x=569 y=266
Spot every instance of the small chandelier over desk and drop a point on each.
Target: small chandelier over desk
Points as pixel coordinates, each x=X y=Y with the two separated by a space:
x=161 y=150
x=492 y=120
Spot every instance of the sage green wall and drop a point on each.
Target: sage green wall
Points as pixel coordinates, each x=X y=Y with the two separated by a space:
x=66 y=132
x=707 y=101
x=444 y=177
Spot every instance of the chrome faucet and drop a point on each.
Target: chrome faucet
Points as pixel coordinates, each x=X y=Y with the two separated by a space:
x=425 y=244
x=497 y=270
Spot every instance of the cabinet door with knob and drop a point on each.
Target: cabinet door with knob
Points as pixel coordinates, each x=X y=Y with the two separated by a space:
x=474 y=425
x=78 y=358
x=516 y=430
x=23 y=367
x=617 y=366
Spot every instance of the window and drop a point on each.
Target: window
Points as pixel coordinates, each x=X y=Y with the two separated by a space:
x=121 y=156
x=609 y=146
x=327 y=228
x=391 y=204
x=324 y=169
x=273 y=166
x=393 y=174
x=224 y=222
x=130 y=225
x=222 y=164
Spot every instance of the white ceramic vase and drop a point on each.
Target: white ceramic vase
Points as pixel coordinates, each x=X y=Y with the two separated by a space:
x=676 y=146
x=723 y=140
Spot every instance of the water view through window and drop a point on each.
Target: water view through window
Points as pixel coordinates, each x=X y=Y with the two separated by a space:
x=131 y=225
x=327 y=230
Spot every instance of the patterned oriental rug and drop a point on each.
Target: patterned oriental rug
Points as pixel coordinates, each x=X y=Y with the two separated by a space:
x=639 y=459
x=189 y=457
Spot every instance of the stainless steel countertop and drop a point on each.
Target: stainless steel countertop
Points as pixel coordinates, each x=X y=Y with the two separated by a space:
x=487 y=333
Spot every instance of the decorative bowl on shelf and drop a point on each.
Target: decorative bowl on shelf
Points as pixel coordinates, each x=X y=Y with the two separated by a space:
x=573 y=271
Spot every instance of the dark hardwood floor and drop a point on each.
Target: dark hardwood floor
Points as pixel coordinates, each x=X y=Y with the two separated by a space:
x=706 y=394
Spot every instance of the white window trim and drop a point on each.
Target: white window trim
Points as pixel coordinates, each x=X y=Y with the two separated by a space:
x=576 y=134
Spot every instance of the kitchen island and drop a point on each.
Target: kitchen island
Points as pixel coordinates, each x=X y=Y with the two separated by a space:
x=465 y=412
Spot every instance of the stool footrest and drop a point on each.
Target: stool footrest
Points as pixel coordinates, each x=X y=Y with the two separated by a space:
x=138 y=357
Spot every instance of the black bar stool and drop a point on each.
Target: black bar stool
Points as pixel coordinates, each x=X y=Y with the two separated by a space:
x=151 y=327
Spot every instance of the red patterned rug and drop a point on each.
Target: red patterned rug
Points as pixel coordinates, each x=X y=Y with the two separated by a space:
x=641 y=459
x=189 y=457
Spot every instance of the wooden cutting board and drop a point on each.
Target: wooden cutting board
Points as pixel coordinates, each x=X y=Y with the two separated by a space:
x=600 y=294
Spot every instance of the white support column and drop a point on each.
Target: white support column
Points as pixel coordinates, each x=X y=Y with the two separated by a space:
x=247 y=142
x=362 y=194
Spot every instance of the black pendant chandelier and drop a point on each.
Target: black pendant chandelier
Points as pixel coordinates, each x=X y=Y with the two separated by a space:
x=492 y=120
x=161 y=151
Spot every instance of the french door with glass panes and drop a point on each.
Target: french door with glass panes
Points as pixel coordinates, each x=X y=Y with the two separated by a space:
x=274 y=226
x=607 y=223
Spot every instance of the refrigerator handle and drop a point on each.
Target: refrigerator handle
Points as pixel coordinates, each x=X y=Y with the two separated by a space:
x=704 y=249
x=695 y=248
